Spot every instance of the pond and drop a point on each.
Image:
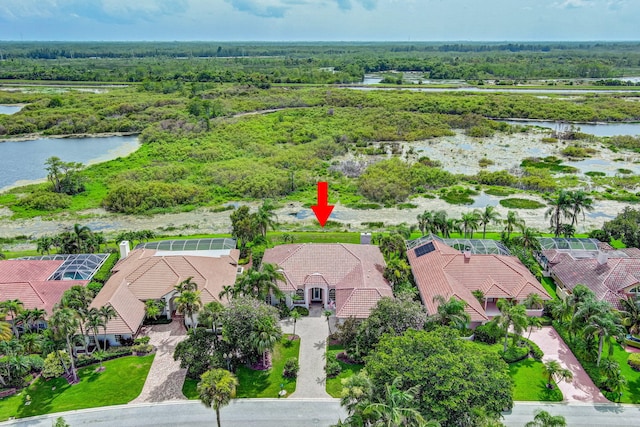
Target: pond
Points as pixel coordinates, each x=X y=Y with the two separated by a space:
x=10 y=109
x=597 y=129
x=22 y=162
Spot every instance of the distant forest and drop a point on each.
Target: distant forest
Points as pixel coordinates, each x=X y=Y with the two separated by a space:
x=264 y=64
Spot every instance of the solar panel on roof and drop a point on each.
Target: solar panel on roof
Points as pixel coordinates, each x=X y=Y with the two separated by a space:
x=424 y=249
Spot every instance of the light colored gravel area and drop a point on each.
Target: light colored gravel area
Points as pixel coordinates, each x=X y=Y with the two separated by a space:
x=165 y=378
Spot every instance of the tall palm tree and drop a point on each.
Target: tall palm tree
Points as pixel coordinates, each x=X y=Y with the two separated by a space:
x=107 y=312
x=210 y=314
x=470 y=221
x=264 y=217
x=630 y=314
x=271 y=275
x=38 y=315
x=555 y=371
x=528 y=239
x=5 y=331
x=216 y=389
x=397 y=407
x=94 y=322
x=440 y=223
x=327 y=314
x=545 y=419
x=533 y=322
x=580 y=203
x=189 y=303
x=78 y=299
x=187 y=285
x=13 y=307
x=426 y=222
x=533 y=301
x=603 y=327
x=153 y=308
x=64 y=324
x=451 y=312
x=44 y=244
x=227 y=291
x=264 y=338
x=512 y=222
x=559 y=208
x=511 y=315
x=295 y=316
x=487 y=216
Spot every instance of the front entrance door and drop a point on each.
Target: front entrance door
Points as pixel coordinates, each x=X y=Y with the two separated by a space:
x=316 y=294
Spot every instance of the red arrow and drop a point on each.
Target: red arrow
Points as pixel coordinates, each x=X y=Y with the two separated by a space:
x=322 y=209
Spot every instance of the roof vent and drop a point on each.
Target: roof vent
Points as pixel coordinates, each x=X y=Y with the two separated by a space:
x=365 y=238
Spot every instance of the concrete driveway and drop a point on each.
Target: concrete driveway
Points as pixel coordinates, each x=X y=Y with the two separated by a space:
x=581 y=389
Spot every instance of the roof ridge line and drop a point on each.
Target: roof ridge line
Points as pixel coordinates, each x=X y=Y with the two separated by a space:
x=36 y=291
x=290 y=254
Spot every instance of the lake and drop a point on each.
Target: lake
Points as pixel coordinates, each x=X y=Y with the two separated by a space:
x=22 y=162
x=599 y=129
x=10 y=109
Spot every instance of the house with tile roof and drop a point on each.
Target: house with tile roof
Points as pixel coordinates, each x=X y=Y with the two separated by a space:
x=439 y=269
x=347 y=277
x=152 y=274
x=612 y=274
x=35 y=282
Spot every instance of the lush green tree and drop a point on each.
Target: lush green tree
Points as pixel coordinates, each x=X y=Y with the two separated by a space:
x=216 y=389
x=64 y=324
x=533 y=301
x=153 y=308
x=511 y=316
x=512 y=222
x=545 y=419
x=603 y=327
x=187 y=285
x=243 y=228
x=426 y=222
x=44 y=244
x=397 y=272
x=199 y=352
x=210 y=315
x=226 y=292
x=397 y=407
x=189 y=303
x=556 y=372
x=5 y=331
x=13 y=307
x=559 y=208
x=64 y=176
x=391 y=245
x=580 y=202
x=260 y=283
x=107 y=312
x=528 y=239
x=533 y=322
x=488 y=216
x=470 y=221
x=264 y=217
x=450 y=312
x=455 y=379
x=625 y=226
x=630 y=314
x=264 y=338
x=295 y=316
x=94 y=322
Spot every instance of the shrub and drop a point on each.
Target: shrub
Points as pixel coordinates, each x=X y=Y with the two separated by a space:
x=46 y=201
x=458 y=196
x=291 y=368
x=634 y=361
x=104 y=272
x=142 y=340
x=53 y=366
x=142 y=348
x=488 y=333
x=516 y=203
x=332 y=368
x=484 y=162
x=480 y=132
x=515 y=354
x=302 y=310
x=577 y=151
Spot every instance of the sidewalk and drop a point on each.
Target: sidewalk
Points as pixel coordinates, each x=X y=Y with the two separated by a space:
x=165 y=378
x=581 y=389
x=313 y=333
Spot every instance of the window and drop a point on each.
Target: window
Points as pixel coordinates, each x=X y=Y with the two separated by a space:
x=332 y=295
x=118 y=339
x=92 y=340
x=268 y=299
x=635 y=290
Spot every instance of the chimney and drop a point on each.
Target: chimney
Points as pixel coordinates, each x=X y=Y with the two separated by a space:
x=365 y=238
x=124 y=249
x=467 y=255
x=603 y=258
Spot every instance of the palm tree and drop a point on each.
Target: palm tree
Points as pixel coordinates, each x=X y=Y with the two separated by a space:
x=32 y=342
x=533 y=301
x=396 y=409
x=512 y=315
x=95 y=321
x=13 y=307
x=153 y=308
x=487 y=216
x=558 y=208
x=107 y=312
x=44 y=244
x=295 y=315
x=78 y=299
x=264 y=338
x=426 y=222
x=64 y=324
x=528 y=239
x=327 y=314
x=451 y=312
x=264 y=218
x=512 y=221
x=227 y=291
x=533 y=322
x=580 y=203
x=189 y=303
x=216 y=389
x=545 y=419
x=567 y=230
x=440 y=223
x=603 y=327
x=630 y=314
x=187 y=285
x=470 y=222
x=37 y=315
x=210 y=314
x=271 y=275
x=555 y=371
x=5 y=331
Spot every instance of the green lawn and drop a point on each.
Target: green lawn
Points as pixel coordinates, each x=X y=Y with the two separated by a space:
x=550 y=286
x=316 y=237
x=631 y=392
x=334 y=385
x=120 y=383
x=259 y=383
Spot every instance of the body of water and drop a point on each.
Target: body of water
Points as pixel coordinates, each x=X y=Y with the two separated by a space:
x=600 y=129
x=22 y=162
x=10 y=109
x=493 y=90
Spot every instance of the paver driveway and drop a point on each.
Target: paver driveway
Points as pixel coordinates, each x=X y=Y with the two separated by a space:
x=165 y=378
x=581 y=389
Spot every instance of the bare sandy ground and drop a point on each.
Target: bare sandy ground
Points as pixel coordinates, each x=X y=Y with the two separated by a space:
x=459 y=154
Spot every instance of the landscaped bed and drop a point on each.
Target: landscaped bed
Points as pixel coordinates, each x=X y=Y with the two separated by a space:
x=119 y=383
x=259 y=383
x=334 y=385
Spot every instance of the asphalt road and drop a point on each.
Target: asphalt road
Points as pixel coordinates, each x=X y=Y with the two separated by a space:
x=303 y=413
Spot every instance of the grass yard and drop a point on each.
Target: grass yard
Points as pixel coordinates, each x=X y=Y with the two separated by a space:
x=550 y=286
x=120 y=383
x=334 y=385
x=316 y=237
x=631 y=392
x=259 y=383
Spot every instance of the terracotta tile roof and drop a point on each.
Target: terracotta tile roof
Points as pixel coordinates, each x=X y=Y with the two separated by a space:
x=355 y=271
x=448 y=272
x=608 y=279
x=26 y=280
x=143 y=275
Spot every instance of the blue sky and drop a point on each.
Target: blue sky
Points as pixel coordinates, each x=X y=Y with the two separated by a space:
x=330 y=20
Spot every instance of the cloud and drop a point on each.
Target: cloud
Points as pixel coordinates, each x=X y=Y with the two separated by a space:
x=367 y=4
x=262 y=8
x=573 y=4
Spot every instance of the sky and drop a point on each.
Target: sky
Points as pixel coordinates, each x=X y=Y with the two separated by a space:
x=320 y=20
